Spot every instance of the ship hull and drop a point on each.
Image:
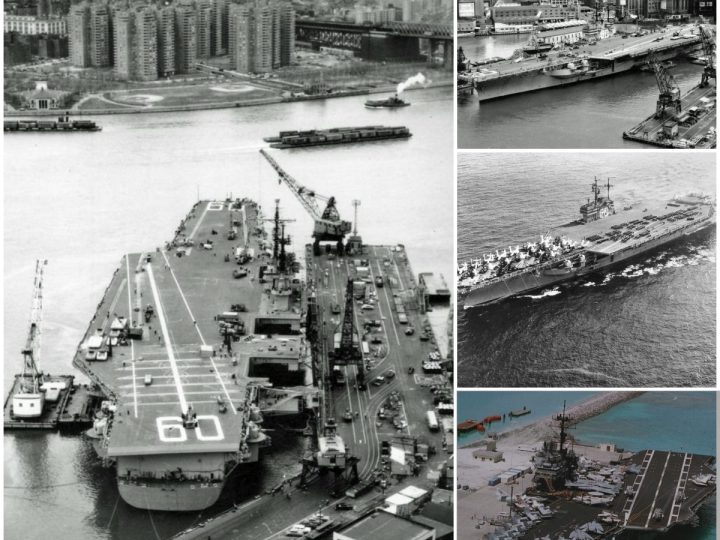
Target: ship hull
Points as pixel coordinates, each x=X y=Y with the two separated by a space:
x=536 y=79
x=533 y=281
x=170 y=497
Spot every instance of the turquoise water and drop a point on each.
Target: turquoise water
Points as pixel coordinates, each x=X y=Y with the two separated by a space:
x=478 y=405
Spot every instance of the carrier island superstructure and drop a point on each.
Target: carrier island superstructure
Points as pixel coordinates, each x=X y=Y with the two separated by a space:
x=602 y=237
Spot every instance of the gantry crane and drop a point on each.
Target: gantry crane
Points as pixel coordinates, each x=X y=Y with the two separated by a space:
x=329 y=227
x=348 y=353
x=669 y=90
x=708 y=45
x=30 y=400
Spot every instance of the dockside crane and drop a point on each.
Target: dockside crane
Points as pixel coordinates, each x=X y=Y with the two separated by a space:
x=669 y=90
x=280 y=240
x=708 y=45
x=29 y=401
x=328 y=226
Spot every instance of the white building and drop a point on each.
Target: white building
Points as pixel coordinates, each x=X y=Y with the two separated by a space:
x=32 y=25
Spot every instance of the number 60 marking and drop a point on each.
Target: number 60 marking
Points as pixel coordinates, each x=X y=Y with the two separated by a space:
x=170 y=429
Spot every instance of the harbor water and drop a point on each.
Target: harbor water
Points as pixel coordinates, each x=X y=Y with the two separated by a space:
x=646 y=324
x=677 y=421
x=592 y=114
x=83 y=200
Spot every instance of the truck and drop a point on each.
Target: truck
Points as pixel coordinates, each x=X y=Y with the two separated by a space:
x=359 y=489
x=432 y=421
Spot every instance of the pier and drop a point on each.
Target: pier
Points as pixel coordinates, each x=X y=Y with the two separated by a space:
x=692 y=127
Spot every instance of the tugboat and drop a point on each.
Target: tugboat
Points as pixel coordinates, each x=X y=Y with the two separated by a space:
x=393 y=102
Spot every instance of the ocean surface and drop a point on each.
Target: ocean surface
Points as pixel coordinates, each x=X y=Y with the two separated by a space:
x=677 y=421
x=649 y=324
x=83 y=200
x=592 y=114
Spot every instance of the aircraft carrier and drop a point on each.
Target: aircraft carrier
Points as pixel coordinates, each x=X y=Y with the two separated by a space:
x=199 y=344
x=603 y=58
x=601 y=238
x=599 y=497
x=190 y=345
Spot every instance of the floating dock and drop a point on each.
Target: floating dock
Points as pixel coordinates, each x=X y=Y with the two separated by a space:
x=693 y=127
x=73 y=409
x=341 y=135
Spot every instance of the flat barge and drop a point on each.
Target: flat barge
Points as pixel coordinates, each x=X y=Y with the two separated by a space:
x=692 y=127
x=62 y=125
x=341 y=135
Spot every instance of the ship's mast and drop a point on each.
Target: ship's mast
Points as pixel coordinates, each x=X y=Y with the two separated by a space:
x=609 y=185
x=595 y=189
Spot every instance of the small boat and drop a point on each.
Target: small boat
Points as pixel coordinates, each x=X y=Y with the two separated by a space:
x=392 y=102
x=520 y=412
x=491 y=419
x=480 y=428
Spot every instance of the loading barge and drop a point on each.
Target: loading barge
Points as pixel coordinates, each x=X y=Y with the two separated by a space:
x=342 y=135
x=62 y=125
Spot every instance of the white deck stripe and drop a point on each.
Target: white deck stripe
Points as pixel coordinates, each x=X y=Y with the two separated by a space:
x=197 y=329
x=648 y=457
x=166 y=338
x=199 y=221
x=677 y=490
x=132 y=356
x=130 y=310
x=657 y=491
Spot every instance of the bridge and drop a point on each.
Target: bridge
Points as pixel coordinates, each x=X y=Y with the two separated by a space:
x=394 y=41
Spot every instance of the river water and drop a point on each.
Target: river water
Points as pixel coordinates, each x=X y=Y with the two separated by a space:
x=83 y=200
x=592 y=114
x=649 y=325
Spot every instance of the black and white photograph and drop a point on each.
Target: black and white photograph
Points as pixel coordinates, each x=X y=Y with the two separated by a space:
x=228 y=255
x=574 y=74
x=580 y=269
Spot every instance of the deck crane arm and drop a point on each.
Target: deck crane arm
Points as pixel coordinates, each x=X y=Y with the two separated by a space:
x=708 y=45
x=327 y=224
x=32 y=342
x=669 y=89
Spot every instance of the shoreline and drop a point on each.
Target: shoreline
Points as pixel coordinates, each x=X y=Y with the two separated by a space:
x=219 y=105
x=584 y=410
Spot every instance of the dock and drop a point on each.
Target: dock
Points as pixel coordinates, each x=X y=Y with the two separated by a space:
x=692 y=127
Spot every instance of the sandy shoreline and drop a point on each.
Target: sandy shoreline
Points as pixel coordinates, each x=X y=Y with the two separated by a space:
x=542 y=427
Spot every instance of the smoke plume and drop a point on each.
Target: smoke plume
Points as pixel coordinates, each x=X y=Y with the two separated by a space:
x=415 y=80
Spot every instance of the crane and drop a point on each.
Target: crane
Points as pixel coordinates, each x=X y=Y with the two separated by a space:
x=349 y=352
x=328 y=225
x=30 y=399
x=669 y=90
x=708 y=45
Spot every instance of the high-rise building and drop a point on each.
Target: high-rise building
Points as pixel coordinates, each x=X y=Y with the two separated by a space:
x=220 y=30
x=99 y=35
x=204 y=24
x=136 y=43
x=261 y=36
x=287 y=34
x=166 y=40
x=185 y=38
x=78 y=35
x=89 y=34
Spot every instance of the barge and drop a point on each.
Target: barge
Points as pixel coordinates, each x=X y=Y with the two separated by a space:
x=62 y=124
x=341 y=135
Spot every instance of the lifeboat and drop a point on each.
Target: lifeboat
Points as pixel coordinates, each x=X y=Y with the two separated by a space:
x=480 y=428
x=491 y=419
